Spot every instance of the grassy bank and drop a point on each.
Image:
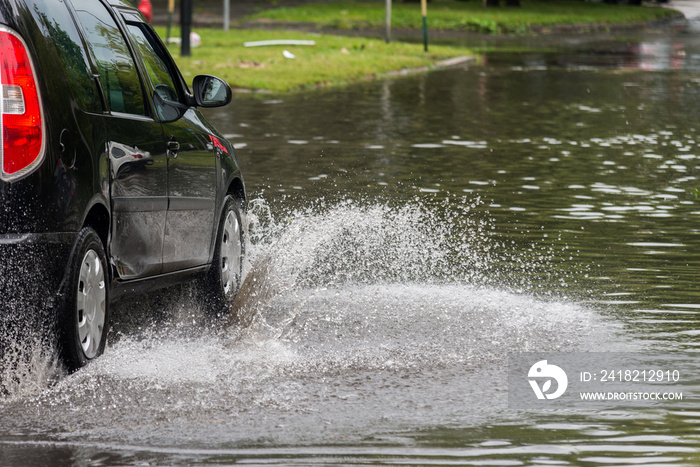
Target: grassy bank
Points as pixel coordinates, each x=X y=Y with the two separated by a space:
x=334 y=60
x=465 y=16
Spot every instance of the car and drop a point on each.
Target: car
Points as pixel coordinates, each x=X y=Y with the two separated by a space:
x=112 y=182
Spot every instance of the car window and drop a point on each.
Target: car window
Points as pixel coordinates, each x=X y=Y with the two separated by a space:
x=58 y=22
x=153 y=60
x=115 y=64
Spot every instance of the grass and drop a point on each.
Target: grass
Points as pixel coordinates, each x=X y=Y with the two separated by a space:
x=334 y=60
x=465 y=16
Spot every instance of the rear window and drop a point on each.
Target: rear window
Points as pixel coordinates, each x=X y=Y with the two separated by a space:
x=56 y=19
x=120 y=79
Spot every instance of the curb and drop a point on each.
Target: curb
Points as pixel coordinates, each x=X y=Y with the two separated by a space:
x=448 y=63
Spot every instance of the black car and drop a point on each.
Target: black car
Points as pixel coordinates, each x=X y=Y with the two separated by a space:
x=111 y=181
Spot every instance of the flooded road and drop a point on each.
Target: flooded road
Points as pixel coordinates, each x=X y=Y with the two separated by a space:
x=405 y=236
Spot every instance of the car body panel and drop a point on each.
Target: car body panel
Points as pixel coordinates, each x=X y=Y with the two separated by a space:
x=191 y=195
x=139 y=194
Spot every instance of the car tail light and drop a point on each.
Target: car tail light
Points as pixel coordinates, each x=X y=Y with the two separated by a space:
x=22 y=136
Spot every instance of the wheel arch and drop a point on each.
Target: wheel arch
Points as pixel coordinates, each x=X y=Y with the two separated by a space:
x=237 y=190
x=98 y=218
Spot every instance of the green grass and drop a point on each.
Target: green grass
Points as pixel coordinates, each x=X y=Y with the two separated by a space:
x=460 y=16
x=334 y=60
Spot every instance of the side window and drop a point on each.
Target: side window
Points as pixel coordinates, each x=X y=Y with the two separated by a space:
x=58 y=22
x=155 y=61
x=120 y=79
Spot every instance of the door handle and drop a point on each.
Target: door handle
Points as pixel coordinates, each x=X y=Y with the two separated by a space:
x=173 y=148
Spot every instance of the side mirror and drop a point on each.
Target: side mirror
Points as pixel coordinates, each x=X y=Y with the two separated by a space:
x=166 y=105
x=210 y=91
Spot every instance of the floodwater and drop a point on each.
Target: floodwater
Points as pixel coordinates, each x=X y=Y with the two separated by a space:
x=405 y=236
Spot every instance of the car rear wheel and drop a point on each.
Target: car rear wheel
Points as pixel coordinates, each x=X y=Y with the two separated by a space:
x=83 y=318
x=224 y=278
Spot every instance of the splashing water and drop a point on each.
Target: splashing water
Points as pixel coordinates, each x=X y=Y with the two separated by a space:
x=351 y=244
x=362 y=297
x=355 y=244
x=27 y=365
x=26 y=368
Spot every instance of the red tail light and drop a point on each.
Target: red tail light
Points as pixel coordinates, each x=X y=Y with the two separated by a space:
x=22 y=136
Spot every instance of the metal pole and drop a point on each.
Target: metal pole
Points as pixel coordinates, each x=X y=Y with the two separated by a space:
x=186 y=24
x=227 y=14
x=171 y=10
x=388 y=21
x=424 y=12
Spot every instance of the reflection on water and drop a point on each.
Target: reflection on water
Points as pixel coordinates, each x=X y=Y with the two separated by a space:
x=405 y=236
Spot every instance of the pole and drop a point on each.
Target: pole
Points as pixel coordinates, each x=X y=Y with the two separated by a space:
x=186 y=25
x=227 y=14
x=171 y=10
x=388 y=21
x=424 y=12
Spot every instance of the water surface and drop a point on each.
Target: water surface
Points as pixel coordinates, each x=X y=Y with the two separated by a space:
x=404 y=237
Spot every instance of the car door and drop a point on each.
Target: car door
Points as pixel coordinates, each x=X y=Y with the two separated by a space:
x=191 y=195
x=192 y=161
x=135 y=148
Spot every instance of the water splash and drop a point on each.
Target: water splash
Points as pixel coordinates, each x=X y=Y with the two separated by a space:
x=26 y=368
x=426 y=242
x=372 y=283
x=27 y=365
x=352 y=243
x=340 y=287
x=354 y=318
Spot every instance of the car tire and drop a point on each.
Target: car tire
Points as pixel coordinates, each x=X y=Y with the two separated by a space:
x=84 y=315
x=222 y=282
